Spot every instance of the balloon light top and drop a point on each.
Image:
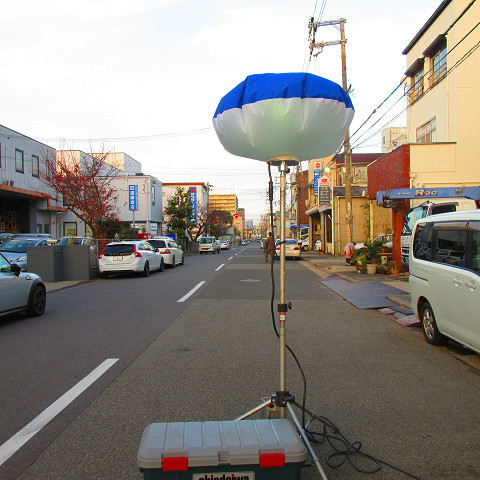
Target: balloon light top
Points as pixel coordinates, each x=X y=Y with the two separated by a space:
x=276 y=117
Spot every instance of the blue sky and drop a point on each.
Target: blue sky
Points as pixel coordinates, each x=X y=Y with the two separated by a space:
x=103 y=69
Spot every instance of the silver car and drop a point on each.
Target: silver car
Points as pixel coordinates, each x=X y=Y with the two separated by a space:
x=19 y=291
x=15 y=249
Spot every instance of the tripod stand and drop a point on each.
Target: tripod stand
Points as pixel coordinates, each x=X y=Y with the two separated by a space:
x=282 y=401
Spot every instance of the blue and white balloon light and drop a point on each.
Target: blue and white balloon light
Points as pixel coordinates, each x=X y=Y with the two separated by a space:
x=299 y=116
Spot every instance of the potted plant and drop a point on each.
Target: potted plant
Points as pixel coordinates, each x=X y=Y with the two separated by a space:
x=372 y=251
x=360 y=262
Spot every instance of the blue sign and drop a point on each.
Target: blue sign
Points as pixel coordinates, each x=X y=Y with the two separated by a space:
x=192 y=191
x=133 y=197
x=317 y=173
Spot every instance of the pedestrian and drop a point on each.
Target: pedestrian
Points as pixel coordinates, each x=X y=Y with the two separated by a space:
x=348 y=252
x=270 y=249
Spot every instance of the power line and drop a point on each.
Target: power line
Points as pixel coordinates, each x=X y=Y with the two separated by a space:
x=410 y=89
x=158 y=136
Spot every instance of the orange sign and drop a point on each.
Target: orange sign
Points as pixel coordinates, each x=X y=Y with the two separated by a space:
x=317 y=165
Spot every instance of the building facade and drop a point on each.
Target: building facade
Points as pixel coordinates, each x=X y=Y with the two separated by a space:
x=443 y=80
x=228 y=202
x=27 y=205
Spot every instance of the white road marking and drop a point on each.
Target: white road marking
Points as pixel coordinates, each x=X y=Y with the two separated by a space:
x=231 y=257
x=12 y=445
x=191 y=292
x=218 y=268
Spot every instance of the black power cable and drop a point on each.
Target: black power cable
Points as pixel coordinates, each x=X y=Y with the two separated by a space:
x=344 y=450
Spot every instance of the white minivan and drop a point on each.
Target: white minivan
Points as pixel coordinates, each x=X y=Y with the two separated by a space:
x=445 y=277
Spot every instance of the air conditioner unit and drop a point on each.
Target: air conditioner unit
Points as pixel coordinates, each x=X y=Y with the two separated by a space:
x=9 y=183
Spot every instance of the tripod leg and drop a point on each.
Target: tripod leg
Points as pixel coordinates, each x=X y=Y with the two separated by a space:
x=254 y=410
x=306 y=442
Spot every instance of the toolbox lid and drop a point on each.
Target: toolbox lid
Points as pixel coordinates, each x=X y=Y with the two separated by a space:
x=201 y=444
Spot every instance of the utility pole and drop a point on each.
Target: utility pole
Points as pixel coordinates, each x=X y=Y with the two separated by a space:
x=298 y=203
x=312 y=27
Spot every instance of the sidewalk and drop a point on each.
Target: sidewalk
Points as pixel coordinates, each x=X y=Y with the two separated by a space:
x=56 y=286
x=328 y=266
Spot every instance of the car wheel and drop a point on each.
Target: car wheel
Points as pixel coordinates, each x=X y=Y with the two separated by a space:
x=429 y=326
x=162 y=266
x=38 y=301
x=146 y=270
x=173 y=262
x=104 y=275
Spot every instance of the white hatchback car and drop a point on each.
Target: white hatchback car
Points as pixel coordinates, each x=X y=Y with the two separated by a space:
x=20 y=291
x=169 y=249
x=136 y=256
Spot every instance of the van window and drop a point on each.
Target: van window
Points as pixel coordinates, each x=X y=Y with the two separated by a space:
x=422 y=243
x=475 y=228
x=451 y=246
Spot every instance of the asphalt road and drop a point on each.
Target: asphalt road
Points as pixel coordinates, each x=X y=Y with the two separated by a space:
x=214 y=357
x=42 y=358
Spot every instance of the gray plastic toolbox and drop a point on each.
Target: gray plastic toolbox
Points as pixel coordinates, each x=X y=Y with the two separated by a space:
x=243 y=450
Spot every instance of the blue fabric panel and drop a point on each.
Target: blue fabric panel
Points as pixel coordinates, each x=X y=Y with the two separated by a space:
x=266 y=86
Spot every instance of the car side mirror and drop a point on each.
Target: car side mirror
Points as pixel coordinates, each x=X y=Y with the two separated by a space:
x=16 y=269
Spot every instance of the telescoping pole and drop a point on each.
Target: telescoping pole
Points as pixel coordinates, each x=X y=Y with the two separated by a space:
x=283 y=184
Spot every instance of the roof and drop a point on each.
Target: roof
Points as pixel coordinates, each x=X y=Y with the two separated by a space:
x=359 y=158
x=427 y=25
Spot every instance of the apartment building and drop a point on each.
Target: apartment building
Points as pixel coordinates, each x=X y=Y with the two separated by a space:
x=442 y=83
x=228 y=202
x=443 y=78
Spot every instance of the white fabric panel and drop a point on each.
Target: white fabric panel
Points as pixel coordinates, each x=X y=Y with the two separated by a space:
x=303 y=128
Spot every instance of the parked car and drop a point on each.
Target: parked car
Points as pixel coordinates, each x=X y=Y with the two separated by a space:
x=444 y=279
x=385 y=238
x=292 y=249
x=5 y=236
x=20 y=291
x=75 y=241
x=15 y=249
x=224 y=245
x=135 y=256
x=32 y=235
x=244 y=242
x=170 y=250
x=263 y=243
x=209 y=244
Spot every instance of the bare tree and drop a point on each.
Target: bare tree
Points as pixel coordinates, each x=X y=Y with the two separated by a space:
x=84 y=181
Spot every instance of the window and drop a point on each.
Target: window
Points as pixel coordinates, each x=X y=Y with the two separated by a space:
x=451 y=246
x=418 y=83
x=427 y=133
x=70 y=229
x=422 y=243
x=18 y=161
x=439 y=64
x=35 y=166
x=474 y=227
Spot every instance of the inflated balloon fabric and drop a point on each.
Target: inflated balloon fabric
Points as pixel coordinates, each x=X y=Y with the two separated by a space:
x=299 y=115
